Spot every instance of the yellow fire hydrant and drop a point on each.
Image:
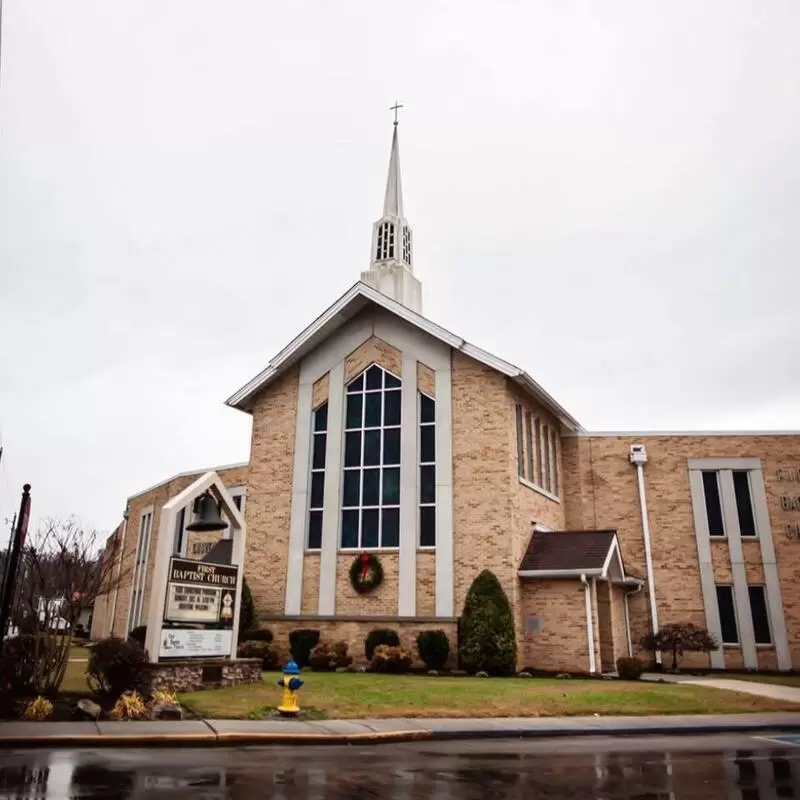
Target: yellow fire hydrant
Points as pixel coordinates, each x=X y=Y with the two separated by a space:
x=290 y=684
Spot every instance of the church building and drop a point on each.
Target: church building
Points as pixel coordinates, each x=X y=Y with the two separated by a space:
x=379 y=436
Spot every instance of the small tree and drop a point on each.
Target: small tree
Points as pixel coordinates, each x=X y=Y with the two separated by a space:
x=247 y=611
x=486 y=633
x=679 y=638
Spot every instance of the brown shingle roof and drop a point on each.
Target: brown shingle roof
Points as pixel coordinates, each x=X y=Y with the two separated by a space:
x=567 y=550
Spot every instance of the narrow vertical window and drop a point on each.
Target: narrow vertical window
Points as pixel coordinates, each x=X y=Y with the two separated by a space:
x=529 y=446
x=520 y=454
x=547 y=475
x=537 y=430
x=427 y=471
x=319 y=443
x=371 y=480
x=179 y=526
x=554 y=456
x=758 y=610
x=140 y=569
x=713 y=504
x=744 y=503
x=727 y=615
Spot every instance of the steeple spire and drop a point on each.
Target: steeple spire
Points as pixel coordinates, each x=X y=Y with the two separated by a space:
x=391 y=270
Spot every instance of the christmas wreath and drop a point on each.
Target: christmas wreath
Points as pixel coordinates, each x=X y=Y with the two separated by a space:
x=366 y=573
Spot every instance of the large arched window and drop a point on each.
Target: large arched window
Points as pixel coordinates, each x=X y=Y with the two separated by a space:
x=371 y=480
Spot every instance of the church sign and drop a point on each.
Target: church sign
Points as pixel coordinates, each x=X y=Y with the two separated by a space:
x=199 y=592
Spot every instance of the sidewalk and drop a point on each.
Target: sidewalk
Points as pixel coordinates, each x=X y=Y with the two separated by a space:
x=234 y=732
x=774 y=691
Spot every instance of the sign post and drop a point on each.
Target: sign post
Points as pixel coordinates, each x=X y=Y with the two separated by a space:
x=193 y=610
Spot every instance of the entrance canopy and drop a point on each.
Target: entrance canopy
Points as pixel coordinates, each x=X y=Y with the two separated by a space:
x=575 y=554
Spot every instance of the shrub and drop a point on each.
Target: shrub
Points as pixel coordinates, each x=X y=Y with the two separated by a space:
x=256 y=635
x=630 y=669
x=380 y=636
x=116 y=666
x=486 y=632
x=434 y=648
x=139 y=635
x=129 y=705
x=264 y=650
x=679 y=638
x=247 y=611
x=40 y=708
x=327 y=657
x=301 y=643
x=390 y=659
x=18 y=665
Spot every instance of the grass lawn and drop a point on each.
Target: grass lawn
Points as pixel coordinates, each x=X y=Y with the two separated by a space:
x=780 y=680
x=354 y=695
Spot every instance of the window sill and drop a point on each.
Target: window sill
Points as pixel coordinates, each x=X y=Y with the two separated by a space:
x=538 y=489
x=732 y=645
x=350 y=550
x=426 y=549
x=741 y=538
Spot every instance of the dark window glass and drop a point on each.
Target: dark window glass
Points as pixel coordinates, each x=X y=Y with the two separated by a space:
x=321 y=418
x=352 y=449
x=372 y=411
x=374 y=377
x=369 y=494
x=427 y=526
x=350 y=528
x=744 y=504
x=727 y=615
x=315 y=531
x=354 y=406
x=390 y=381
x=318 y=459
x=391 y=446
x=369 y=527
x=713 y=505
x=391 y=527
x=537 y=432
x=317 y=489
x=391 y=408
x=357 y=385
x=520 y=454
x=391 y=486
x=237 y=501
x=546 y=478
x=427 y=443
x=529 y=445
x=427 y=484
x=758 y=609
x=427 y=409
x=372 y=447
x=554 y=451
x=352 y=486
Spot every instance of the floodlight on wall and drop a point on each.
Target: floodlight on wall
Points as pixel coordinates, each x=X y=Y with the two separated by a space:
x=206 y=515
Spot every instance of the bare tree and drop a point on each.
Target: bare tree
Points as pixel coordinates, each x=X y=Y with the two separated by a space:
x=64 y=570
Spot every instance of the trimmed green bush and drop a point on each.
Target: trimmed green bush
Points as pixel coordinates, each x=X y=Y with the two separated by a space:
x=247 y=611
x=116 y=666
x=301 y=643
x=487 y=642
x=390 y=659
x=327 y=657
x=257 y=635
x=433 y=648
x=139 y=635
x=377 y=637
x=630 y=669
x=264 y=650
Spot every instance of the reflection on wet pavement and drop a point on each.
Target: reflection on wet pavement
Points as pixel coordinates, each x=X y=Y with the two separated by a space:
x=607 y=769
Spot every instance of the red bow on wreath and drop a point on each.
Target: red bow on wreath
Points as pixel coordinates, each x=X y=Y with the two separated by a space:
x=366 y=564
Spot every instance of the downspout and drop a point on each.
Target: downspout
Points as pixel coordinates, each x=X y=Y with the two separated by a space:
x=638 y=457
x=587 y=595
x=119 y=571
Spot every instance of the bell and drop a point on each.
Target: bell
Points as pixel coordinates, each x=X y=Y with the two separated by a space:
x=206 y=515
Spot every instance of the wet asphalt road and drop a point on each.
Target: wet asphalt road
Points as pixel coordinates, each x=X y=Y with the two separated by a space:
x=644 y=768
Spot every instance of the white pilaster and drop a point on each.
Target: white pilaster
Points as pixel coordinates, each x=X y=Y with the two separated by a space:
x=409 y=494
x=444 y=492
x=333 y=478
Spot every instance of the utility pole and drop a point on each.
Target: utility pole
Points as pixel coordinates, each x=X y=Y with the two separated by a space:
x=12 y=567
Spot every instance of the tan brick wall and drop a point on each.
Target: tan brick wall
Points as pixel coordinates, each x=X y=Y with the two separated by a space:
x=426 y=583
x=354 y=632
x=619 y=629
x=373 y=351
x=379 y=602
x=310 y=603
x=320 y=391
x=426 y=380
x=601 y=491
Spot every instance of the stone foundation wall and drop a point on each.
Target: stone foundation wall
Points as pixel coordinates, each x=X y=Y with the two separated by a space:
x=354 y=630
x=191 y=676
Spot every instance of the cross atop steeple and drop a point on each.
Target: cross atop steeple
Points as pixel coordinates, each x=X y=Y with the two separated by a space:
x=391 y=270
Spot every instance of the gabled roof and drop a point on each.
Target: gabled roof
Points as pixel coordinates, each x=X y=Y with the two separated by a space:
x=570 y=554
x=354 y=300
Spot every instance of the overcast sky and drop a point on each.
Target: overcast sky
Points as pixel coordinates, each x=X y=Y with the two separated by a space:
x=606 y=194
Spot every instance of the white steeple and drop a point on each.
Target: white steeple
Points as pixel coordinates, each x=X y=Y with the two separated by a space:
x=390 y=270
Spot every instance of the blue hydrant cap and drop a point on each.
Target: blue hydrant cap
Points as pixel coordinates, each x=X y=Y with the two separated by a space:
x=291 y=668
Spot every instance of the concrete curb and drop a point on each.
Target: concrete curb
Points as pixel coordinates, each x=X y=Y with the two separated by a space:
x=31 y=734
